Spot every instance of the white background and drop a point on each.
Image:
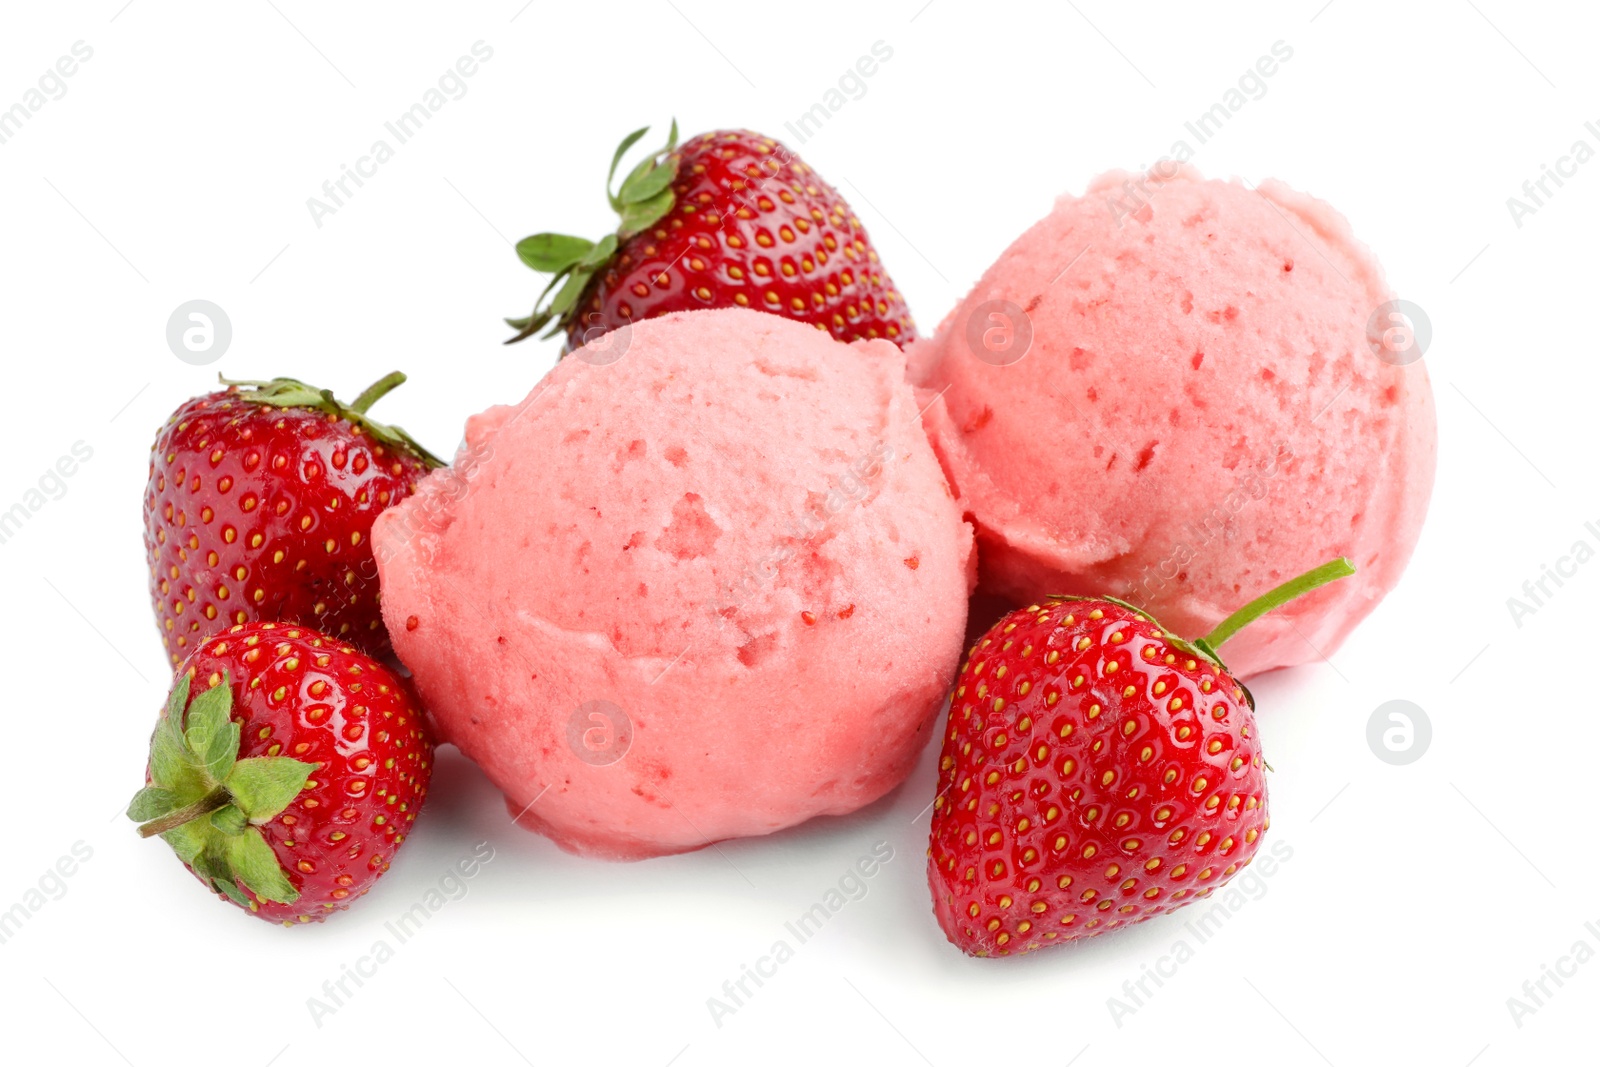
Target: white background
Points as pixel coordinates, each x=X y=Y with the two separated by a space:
x=177 y=166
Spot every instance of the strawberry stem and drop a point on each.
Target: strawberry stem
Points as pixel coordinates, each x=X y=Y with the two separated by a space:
x=1331 y=571
x=217 y=798
x=376 y=391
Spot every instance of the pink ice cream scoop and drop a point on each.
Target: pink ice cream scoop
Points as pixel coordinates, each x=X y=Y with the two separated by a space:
x=1177 y=392
x=706 y=581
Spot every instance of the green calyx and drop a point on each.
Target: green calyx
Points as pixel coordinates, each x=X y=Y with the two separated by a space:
x=207 y=803
x=1206 y=647
x=642 y=200
x=289 y=393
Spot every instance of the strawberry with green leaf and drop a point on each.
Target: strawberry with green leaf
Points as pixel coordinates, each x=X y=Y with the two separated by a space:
x=260 y=504
x=728 y=219
x=1097 y=770
x=285 y=771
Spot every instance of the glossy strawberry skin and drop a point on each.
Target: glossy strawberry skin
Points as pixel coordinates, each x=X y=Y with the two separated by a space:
x=751 y=226
x=1094 y=774
x=302 y=694
x=255 y=512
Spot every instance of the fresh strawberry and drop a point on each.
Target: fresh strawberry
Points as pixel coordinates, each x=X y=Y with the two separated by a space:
x=288 y=782
x=729 y=219
x=1097 y=770
x=260 y=506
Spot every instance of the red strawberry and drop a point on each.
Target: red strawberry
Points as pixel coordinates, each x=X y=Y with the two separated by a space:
x=289 y=781
x=260 y=506
x=1097 y=770
x=730 y=219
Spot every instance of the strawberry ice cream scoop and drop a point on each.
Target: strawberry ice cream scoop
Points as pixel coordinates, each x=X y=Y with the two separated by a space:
x=706 y=581
x=1168 y=394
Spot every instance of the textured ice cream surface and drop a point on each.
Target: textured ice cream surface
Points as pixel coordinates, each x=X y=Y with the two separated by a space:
x=708 y=588
x=1198 y=417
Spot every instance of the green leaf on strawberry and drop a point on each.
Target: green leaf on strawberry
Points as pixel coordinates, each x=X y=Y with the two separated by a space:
x=651 y=183
x=595 y=257
x=152 y=802
x=291 y=393
x=205 y=802
x=264 y=785
x=252 y=862
x=622 y=150
x=177 y=700
x=568 y=296
x=641 y=169
x=552 y=251
x=638 y=217
x=170 y=762
x=230 y=820
x=642 y=200
x=210 y=736
x=215 y=866
x=188 y=841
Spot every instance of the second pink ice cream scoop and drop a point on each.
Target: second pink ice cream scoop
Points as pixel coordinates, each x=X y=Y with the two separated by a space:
x=1168 y=394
